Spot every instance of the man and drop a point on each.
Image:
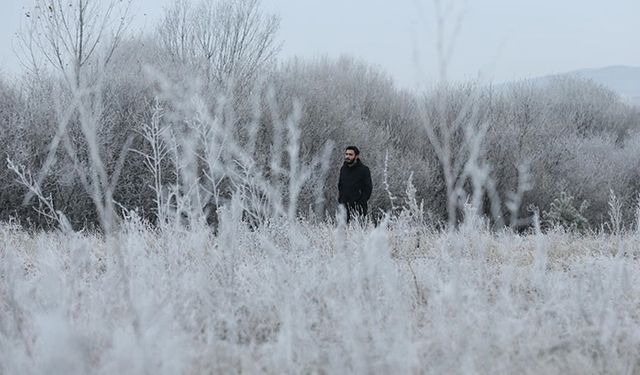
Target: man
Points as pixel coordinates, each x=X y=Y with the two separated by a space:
x=354 y=185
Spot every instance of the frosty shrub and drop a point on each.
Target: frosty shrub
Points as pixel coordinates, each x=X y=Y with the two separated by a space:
x=340 y=100
x=562 y=212
x=565 y=144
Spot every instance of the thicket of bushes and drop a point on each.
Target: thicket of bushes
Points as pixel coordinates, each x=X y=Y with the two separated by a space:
x=573 y=136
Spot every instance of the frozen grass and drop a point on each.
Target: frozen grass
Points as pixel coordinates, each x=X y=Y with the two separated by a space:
x=318 y=298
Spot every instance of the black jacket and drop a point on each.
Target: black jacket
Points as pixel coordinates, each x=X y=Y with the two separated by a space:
x=354 y=185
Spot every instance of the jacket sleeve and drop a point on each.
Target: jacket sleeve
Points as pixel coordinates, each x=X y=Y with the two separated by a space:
x=340 y=187
x=367 y=188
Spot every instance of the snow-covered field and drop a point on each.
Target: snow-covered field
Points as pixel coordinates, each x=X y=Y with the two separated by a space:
x=318 y=298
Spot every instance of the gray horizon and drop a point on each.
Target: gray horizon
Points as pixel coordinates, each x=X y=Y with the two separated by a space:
x=498 y=40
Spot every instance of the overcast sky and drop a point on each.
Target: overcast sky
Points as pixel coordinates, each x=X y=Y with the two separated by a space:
x=503 y=39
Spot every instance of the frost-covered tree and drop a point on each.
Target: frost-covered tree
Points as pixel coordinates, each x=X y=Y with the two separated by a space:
x=228 y=42
x=76 y=37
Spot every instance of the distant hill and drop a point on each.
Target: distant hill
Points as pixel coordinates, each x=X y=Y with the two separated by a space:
x=625 y=80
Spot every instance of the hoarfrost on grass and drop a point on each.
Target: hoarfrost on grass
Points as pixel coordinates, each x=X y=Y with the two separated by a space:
x=312 y=298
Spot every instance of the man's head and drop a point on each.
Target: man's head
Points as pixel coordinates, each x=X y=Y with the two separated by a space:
x=351 y=154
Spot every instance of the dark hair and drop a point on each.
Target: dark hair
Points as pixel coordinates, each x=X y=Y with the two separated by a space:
x=354 y=149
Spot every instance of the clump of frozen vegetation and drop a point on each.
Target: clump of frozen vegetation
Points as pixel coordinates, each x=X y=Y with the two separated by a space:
x=300 y=297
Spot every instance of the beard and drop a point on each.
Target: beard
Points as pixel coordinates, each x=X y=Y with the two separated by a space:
x=350 y=162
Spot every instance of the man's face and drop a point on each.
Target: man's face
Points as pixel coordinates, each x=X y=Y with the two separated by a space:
x=349 y=156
